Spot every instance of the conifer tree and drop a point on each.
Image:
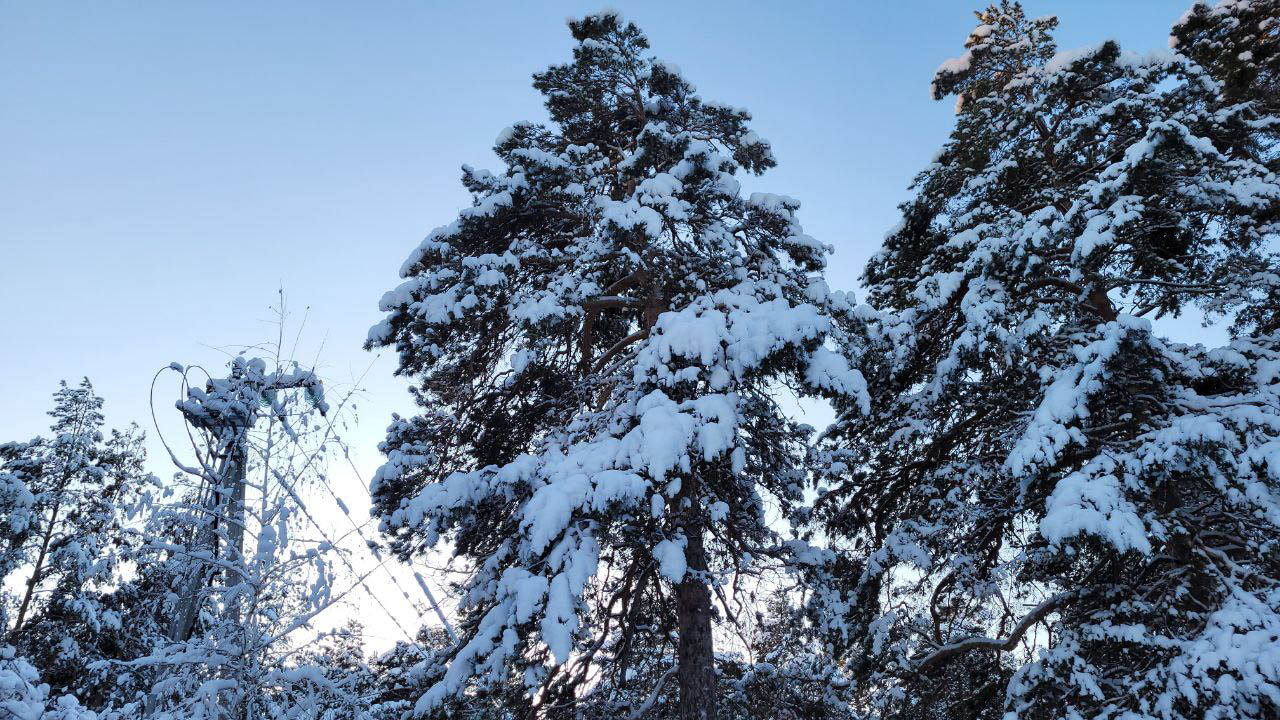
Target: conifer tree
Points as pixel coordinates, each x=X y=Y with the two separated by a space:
x=780 y=673
x=17 y=464
x=67 y=529
x=1238 y=42
x=1052 y=509
x=81 y=621
x=399 y=677
x=24 y=697
x=597 y=343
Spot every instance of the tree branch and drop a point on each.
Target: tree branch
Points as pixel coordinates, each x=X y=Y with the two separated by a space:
x=1044 y=282
x=602 y=302
x=620 y=346
x=1037 y=614
x=635 y=279
x=653 y=696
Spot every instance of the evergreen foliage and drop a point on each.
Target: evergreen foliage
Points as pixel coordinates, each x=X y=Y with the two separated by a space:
x=69 y=500
x=1041 y=496
x=1052 y=509
x=597 y=344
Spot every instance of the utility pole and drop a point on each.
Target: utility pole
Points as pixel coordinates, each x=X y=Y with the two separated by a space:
x=224 y=503
x=224 y=413
x=227 y=410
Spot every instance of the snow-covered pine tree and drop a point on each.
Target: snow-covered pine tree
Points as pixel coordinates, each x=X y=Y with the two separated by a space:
x=17 y=463
x=597 y=344
x=81 y=620
x=399 y=677
x=68 y=534
x=1053 y=509
x=333 y=680
x=1238 y=42
x=769 y=668
x=53 y=470
x=24 y=697
x=780 y=673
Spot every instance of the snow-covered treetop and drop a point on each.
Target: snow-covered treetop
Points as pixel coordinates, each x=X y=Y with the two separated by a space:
x=635 y=160
x=595 y=341
x=1132 y=186
x=1037 y=458
x=1004 y=44
x=1238 y=42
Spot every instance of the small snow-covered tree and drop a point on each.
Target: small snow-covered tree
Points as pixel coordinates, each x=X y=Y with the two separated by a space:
x=24 y=697
x=71 y=496
x=774 y=670
x=400 y=676
x=781 y=673
x=1052 y=509
x=82 y=618
x=598 y=344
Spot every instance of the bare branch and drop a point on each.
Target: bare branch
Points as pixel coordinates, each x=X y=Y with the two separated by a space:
x=1037 y=614
x=620 y=346
x=603 y=302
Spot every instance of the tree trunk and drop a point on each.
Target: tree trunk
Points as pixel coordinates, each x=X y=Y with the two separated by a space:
x=39 y=567
x=696 y=653
x=235 y=530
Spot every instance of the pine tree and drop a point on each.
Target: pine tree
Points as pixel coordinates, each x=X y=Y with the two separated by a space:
x=24 y=697
x=81 y=620
x=401 y=675
x=1238 y=43
x=17 y=468
x=114 y=670
x=781 y=673
x=598 y=343
x=1051 y=509
x=71 y=497
x=54 y=471
x=333 y=679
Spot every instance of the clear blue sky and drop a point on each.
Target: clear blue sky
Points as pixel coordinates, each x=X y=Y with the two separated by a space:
x=164 y=167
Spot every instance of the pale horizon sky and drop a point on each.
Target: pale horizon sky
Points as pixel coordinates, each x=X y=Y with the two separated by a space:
x=168 y=166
